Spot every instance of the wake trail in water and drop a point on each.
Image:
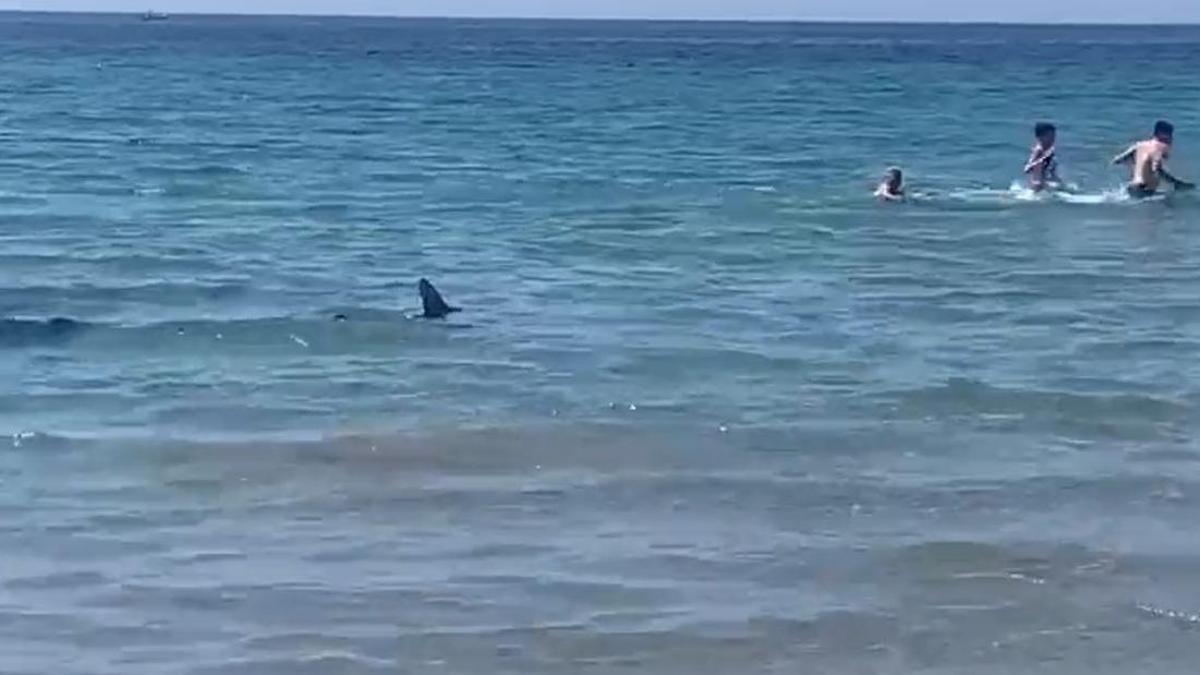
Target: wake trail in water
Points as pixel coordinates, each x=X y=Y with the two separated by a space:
x=1022 y=194
x=1017 y=193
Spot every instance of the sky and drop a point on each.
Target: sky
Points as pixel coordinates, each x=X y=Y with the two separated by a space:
x=1023 y=11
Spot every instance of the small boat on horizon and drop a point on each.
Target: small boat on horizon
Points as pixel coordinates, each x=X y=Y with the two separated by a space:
x=152 y=15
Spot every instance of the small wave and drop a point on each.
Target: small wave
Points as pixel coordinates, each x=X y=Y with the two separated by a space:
x=195 y=171
x=1186 y=618
x=20 y=199
x=963 y=397
x=29 y=332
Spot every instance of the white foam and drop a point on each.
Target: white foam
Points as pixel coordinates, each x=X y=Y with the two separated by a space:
x=1070 y=194
x=1114 y=196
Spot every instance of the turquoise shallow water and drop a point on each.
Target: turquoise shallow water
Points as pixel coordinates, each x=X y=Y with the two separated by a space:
x=709 y=407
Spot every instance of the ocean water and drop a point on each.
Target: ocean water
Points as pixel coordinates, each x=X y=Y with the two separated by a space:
x=709 y=408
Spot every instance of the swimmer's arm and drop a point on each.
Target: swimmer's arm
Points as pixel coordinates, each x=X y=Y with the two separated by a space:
x=1126 y=156
x=1038 y=158
x=1176 y=182
x=887 y=195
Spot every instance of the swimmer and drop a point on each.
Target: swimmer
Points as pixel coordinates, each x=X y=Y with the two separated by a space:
x=1149 y=159
x=1042 y=167
x=892 y=187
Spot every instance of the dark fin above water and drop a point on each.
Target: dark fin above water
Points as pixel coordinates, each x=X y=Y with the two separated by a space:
x=432 y=303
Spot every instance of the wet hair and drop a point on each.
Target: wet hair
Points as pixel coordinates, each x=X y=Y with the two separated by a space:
x=1042 y=128
x=895 y=172
x=1164 y=128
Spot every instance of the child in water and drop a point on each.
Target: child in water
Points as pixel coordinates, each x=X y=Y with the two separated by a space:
x=1042 y=167
x=892 y=187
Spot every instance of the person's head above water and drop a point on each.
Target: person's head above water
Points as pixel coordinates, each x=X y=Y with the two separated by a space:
x=1046 y=133
x=894 y=178
x=892 y=187
x=1164 y=131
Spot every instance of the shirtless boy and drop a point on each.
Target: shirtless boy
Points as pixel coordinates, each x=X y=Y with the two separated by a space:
x=1149 y=159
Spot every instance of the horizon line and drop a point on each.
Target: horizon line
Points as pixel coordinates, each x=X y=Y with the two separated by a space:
x=630 y=19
